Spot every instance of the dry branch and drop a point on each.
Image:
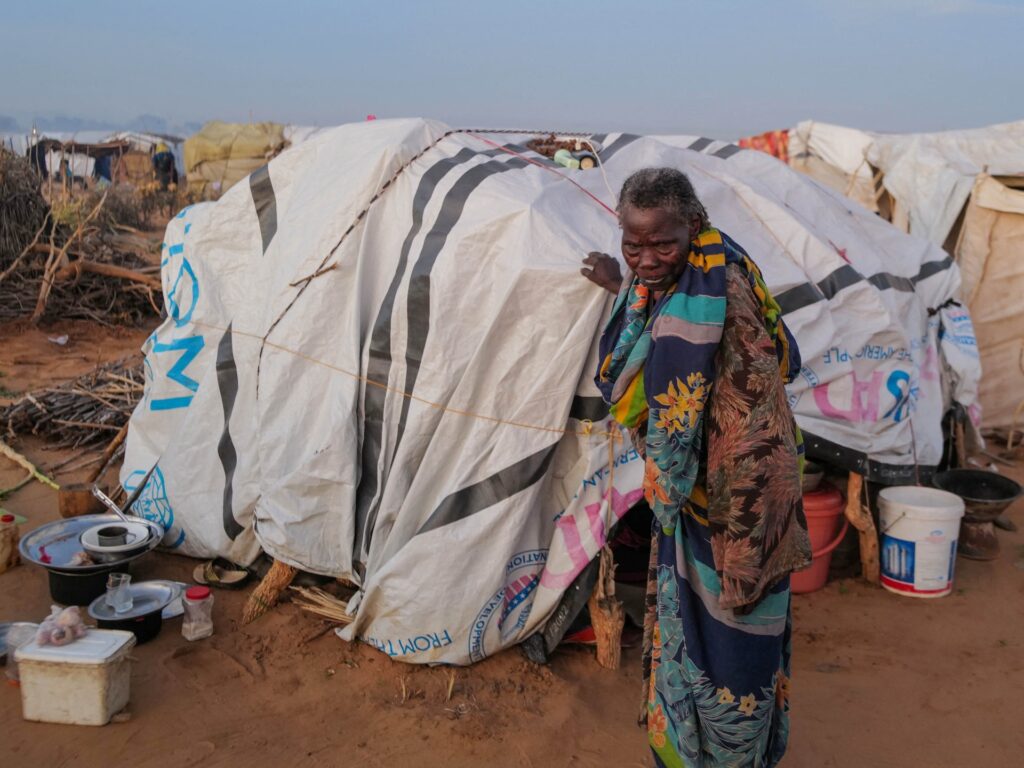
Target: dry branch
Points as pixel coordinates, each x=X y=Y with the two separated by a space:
x=82 y=412
x=57 y=260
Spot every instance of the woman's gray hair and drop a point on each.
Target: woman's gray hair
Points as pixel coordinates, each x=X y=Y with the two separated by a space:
x=664 y=188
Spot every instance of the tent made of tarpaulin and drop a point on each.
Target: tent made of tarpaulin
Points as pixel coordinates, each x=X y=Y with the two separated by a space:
x=990 y=252
x=222 y=154
x=295 y=135
x=138 y=163
x=931 y=175
x=923 y=184
x=74 y=148
x=378 y=356
x=59 y=149
x=837 y=157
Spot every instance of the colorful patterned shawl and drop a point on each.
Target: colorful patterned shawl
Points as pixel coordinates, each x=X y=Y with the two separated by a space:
x=657 y=374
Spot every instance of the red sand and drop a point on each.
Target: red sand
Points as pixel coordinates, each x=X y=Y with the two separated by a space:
x=879 y=680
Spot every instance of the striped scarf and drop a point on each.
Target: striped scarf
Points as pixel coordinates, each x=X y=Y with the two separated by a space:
x=658 y=365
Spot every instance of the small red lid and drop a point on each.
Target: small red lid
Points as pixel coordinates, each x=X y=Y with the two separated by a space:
x=6 y=518
x=197 y=593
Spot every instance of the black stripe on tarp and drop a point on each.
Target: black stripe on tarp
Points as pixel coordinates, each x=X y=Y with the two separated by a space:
x=588 y=408
x=793 y=299
x=841 y=278
x=265 y=201
x=227 y=383
x=882 y=281
x=500 y=486
x=418 y=300
x=828 y=452
x=727 y=151
x=378 y=367
x=380 y=358
x=623 y=141
x=930 y=268
x=807 y=294
x=701 y=144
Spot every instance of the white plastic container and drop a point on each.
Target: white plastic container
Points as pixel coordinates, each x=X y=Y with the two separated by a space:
x=919 y=528
x=84 y=683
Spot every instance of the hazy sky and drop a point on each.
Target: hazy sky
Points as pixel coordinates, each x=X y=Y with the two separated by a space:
x=718 y=67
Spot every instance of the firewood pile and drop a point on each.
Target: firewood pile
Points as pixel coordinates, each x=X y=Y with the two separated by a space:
x=85 y=412
x=65 y=262
x=22 y=207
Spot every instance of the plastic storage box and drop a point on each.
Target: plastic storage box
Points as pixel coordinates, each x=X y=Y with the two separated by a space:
x=84 y=683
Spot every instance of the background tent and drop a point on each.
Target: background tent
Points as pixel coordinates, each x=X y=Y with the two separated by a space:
x=222 y=154
x=990 y=252
x=837 y=157
x=931 y=175
x=926 y=184
x=378 y=356
x=132 y=151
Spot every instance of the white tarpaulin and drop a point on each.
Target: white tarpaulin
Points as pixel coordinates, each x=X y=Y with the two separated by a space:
x=932 y=174
x=80 y=164
x=835 y=156
x=378 y=356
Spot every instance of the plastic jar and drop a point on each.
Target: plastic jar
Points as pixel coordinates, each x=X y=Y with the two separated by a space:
x=198 y=621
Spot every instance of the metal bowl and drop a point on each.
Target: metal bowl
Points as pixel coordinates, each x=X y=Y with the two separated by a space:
x=53 y=545
x=985 y=494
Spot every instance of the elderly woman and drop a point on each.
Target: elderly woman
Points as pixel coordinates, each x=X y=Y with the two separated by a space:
x=695 y=357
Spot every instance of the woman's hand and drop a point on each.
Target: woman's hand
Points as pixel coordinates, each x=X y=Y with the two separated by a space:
x=603 y=270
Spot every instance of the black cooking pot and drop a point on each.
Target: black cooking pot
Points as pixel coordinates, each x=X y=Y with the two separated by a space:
x=144 y=627
x=80 y=588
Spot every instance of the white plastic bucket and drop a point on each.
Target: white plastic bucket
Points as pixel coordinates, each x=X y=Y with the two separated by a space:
x=919 y=528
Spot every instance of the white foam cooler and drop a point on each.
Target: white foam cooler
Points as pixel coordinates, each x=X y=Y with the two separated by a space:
x=84 y=683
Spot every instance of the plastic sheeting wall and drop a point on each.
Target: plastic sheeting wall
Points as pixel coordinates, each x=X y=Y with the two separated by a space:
x=421 y=418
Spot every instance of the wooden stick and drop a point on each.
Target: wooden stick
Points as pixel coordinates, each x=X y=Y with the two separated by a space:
x=56 y=260
x=269 y=591
x=108 y=454
x=607 y=616
x=860 y=518
x=28 y=249
x=21 y=461
x=86 y=424
x=109 y=270
x=961 y=444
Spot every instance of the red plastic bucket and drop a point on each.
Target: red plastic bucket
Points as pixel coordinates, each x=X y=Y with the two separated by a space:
x=824 y=511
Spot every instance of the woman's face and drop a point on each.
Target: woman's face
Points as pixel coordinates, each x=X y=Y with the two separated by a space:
x=655 y=245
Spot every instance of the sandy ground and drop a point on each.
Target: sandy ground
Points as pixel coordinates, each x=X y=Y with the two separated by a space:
x=879 y=680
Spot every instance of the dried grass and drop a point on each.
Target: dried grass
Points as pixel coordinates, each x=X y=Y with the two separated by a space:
x=317 y=601
x=269 y=591
x=23 y=209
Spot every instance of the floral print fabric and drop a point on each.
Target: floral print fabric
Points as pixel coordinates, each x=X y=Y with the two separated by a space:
x=699 y=379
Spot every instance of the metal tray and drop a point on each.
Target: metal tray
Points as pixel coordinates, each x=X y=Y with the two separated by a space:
x=147 y=597
x=53 y=545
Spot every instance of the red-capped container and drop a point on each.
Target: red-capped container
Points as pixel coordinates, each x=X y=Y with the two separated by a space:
x=826 y=526
x=198 y=620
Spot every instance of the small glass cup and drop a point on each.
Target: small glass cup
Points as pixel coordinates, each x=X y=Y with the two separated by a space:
x=119 y=595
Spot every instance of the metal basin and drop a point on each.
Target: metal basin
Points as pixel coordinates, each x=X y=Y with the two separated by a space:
x=53 y=545
x=985 y=494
